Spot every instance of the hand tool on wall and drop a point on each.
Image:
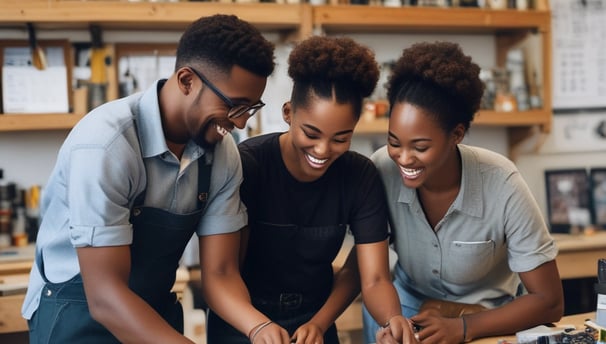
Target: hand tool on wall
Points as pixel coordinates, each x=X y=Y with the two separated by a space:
x=38 y=56
x=97 y=91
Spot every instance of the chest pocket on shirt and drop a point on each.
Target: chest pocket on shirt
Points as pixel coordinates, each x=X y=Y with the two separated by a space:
x=468 y=261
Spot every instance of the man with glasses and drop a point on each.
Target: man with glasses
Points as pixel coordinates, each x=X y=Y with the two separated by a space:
x=134 y=180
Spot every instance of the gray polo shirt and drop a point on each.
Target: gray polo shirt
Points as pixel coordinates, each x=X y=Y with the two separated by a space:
x=493 y=230
x=104 y=164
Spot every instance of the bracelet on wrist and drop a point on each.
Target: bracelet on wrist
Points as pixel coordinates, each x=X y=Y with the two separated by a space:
x=464 y=329
x=255 y=330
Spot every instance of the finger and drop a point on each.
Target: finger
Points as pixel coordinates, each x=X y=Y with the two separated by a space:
x=284 y=337
x=384 y=336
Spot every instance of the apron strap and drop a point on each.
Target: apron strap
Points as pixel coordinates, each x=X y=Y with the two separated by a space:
x=204 y=172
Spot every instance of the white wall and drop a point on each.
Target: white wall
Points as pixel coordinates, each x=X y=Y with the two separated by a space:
x=28 y=157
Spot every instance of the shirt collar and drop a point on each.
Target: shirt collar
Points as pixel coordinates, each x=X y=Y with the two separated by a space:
x=469 y=199
x=149 y=125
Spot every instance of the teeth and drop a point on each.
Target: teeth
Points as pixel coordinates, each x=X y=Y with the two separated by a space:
x=315 y=160
x=411 y=172
x=222 y=131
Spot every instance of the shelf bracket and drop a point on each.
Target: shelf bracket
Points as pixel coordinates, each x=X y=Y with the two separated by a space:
x=524 y=140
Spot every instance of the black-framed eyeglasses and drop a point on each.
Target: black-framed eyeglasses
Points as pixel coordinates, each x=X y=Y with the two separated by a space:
x=235 y=110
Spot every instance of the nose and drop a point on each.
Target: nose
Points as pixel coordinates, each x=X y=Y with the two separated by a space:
x=240 y=122
x=405 y=157
x=321 y=148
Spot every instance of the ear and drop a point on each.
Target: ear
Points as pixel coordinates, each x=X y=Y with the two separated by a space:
x=185 y=79
x=287 y=112
x=458 y=133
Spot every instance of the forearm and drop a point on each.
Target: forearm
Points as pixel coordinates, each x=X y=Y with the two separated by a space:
x=544 y=303
x=228 y=296
x=130 y=319
x=345 y=289
x=381 y=300
x=105 y=273
x=522 y=313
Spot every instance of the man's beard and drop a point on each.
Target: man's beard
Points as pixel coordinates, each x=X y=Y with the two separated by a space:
x=200 y=138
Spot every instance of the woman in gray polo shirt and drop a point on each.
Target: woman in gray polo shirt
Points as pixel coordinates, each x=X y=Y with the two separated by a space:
x=464 y=223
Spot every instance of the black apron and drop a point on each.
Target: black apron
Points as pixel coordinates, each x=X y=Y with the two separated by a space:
x=159 y=239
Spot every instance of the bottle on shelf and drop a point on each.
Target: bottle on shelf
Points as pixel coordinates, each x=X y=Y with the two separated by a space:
x=7 y=194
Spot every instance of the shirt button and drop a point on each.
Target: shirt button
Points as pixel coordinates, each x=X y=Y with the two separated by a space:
x=434 y=271
x=435 y=245
x=49 y=292
x=136 y=211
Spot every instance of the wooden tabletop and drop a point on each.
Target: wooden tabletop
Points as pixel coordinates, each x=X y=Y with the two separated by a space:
x=580 y=242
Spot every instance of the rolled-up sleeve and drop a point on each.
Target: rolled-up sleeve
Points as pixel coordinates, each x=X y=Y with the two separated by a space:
x=99 y=192
x=225 y=212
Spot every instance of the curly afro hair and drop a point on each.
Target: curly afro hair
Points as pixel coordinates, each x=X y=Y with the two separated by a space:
x=224 y=41
x=331 y=67
x=439 y=78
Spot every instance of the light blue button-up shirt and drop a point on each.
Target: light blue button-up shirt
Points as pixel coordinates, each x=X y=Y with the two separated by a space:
x=111 y=156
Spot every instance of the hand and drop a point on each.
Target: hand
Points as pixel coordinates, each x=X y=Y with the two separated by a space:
x=308 y=333
x=272 y=333
x=398 y=331
x=438 y=329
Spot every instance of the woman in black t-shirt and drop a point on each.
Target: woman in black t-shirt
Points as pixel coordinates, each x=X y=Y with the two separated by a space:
x=304 y=190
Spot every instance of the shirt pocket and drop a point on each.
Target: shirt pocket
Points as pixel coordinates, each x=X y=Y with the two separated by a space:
x=468 y=261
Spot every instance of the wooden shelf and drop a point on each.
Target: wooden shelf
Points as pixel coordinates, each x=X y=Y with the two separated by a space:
x=510 y=27
x=25 y=122
x=427 y=19
x=482 y=118
x=51 y=14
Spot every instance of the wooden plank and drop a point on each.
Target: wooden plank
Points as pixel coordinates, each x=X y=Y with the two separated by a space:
x=429 y=18
x=145 y=15
x=10 y=314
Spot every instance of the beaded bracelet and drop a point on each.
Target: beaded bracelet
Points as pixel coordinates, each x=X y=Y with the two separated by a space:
x=258 y=329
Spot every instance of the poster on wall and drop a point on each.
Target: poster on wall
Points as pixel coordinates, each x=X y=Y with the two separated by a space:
x=568 y=199
x=577 y=132
x=579 y=53
x=598 y=193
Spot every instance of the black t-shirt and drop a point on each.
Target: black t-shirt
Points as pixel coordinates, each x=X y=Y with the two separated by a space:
x=297 y=228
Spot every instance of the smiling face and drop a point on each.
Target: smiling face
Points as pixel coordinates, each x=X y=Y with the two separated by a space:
x=319 y=134
x=206 y=119
x=425 y=153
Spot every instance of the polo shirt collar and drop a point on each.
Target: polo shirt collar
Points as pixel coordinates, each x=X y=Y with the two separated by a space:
x=469 y=200
x=149 y=126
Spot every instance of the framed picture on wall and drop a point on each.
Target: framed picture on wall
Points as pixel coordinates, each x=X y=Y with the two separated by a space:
x=598 y=195
x=568 y=199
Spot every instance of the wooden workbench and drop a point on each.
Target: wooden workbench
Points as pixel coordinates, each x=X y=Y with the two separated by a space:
x=15 y=265
x=578 y=254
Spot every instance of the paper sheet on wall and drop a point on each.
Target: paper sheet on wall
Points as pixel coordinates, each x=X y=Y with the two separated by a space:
x=26 y=89
x=579 y=53
x=577 y=132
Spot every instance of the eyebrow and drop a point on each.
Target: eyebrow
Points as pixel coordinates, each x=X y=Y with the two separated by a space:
x=319 y=131
x=415 y=140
